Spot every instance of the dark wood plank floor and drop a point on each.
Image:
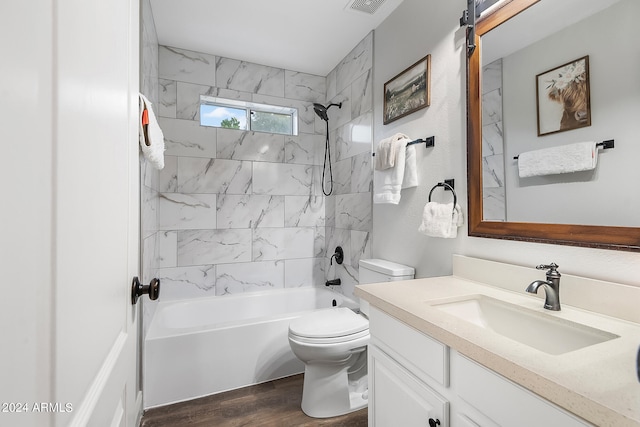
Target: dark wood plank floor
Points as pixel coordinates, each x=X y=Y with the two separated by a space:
x=276 y=403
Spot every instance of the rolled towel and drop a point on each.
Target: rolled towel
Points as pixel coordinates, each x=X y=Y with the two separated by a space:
x=581 y=156
x=150 y=134
x=441 y=220
x=387 y=151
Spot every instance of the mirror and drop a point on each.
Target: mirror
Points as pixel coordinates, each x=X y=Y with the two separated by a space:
x=516 y=43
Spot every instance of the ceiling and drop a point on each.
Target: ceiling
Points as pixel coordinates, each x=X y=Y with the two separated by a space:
x=310 y=36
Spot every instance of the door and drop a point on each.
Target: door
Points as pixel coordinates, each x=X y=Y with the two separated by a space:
x=68 y=102
x=96 y=199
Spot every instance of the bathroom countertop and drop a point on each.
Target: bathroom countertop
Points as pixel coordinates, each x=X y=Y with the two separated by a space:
x=597 y=383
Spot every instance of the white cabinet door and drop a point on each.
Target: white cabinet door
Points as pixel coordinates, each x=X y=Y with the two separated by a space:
x=461 y=420
x=397 y=398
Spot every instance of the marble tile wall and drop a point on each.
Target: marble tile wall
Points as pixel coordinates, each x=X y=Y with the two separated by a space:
x=349 y=209
x=238 y=211
x=149 y=177
x=492 y=143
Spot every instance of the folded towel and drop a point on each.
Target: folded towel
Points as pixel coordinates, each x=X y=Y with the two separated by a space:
x=387 y=151
x=581 y=156
x=410 y=178
x=150 y=134
x=388 y=183
x=441 y=220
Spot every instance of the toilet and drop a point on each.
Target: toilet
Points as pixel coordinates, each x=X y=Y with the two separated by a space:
x=332 y=343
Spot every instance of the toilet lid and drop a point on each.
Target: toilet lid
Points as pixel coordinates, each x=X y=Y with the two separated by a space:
x=333 y=322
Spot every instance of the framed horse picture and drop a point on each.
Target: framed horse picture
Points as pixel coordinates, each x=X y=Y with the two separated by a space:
x=563 y=101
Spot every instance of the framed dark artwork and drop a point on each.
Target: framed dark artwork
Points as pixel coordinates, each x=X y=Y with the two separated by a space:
x=563 y=100
x=408 y=91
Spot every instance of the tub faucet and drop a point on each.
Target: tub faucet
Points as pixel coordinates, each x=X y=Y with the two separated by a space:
x=551 y=286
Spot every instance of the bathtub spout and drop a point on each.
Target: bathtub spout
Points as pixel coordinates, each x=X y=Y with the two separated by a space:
x=334 y=282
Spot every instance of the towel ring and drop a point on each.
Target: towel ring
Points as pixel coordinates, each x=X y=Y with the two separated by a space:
x=448 y=187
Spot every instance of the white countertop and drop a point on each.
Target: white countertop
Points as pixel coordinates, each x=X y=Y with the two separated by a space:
x=597 y=383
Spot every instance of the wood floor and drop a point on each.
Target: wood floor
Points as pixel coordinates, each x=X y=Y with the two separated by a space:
x=276 y=403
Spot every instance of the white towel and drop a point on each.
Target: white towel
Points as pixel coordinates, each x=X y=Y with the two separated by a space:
x=387 y=151
x=388 y=183
x=441 y=220
x=152 y=145
x=581 y=156
x=410 y=178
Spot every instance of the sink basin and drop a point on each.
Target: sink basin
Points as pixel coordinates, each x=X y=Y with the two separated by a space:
x=546 y=333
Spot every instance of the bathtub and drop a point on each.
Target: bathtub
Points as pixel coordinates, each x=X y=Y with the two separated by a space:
x=203 y=346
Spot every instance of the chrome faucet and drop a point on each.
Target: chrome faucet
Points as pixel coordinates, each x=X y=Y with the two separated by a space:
x=551 y=286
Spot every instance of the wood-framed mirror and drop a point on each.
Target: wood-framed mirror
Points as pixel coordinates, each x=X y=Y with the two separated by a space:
x=598 y=228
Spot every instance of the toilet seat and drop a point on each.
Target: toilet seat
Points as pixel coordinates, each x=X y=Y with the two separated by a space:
x=329 y=340
x=329 y=326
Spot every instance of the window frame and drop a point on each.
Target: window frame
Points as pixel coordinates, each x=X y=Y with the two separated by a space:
x=249 y=107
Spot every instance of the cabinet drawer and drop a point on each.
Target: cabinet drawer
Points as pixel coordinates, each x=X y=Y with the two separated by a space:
x=507 y=403
x=422 y=355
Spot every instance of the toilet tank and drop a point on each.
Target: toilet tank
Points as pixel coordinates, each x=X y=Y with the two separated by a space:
x=380 y=270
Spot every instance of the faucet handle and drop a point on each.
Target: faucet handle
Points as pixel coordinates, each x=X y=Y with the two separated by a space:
x=552 y=267
x=552 y=270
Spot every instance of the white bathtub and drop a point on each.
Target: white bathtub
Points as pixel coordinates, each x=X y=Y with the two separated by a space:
x=208 y=345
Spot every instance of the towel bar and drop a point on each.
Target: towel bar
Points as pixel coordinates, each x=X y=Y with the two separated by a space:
x=604 y=144
x=428 y=142
x=447 y=187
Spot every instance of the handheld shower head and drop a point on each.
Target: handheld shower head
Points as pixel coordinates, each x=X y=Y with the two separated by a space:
x=321 y=110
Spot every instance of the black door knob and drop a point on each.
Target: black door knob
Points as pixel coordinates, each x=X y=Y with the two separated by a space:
x=433 y=423
x=138 y=289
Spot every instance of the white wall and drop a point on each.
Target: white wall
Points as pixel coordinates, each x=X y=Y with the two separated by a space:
x=586 y=197
x=416 y=28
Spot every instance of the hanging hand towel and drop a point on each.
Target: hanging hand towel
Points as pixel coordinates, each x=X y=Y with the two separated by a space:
x=387 y=151
x=150 y=134
x=581 y=156
x=388 y=183
x=410 y=178
x=441 y=220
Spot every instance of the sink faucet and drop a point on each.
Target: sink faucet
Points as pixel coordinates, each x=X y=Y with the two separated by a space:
x=551 y=286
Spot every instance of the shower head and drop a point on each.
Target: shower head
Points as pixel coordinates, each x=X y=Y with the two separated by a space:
x=321 y=110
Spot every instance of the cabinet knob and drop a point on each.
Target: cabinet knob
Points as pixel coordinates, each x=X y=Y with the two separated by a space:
x=433 y=423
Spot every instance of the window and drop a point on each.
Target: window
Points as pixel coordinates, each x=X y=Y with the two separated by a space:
x=244 y=115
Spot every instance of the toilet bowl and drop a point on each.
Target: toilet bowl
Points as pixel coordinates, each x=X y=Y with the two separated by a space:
x=332 y=343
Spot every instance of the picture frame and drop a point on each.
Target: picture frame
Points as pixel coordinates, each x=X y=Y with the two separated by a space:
x=563 y=100
x=408 y=91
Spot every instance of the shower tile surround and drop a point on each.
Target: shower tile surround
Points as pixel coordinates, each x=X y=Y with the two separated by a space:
x=152 y=238
x=240 y=211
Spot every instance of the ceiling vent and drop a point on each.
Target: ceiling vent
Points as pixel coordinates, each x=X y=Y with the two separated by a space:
x=366 y=6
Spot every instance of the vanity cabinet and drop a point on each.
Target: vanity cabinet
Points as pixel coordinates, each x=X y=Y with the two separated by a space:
x=414 y=380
